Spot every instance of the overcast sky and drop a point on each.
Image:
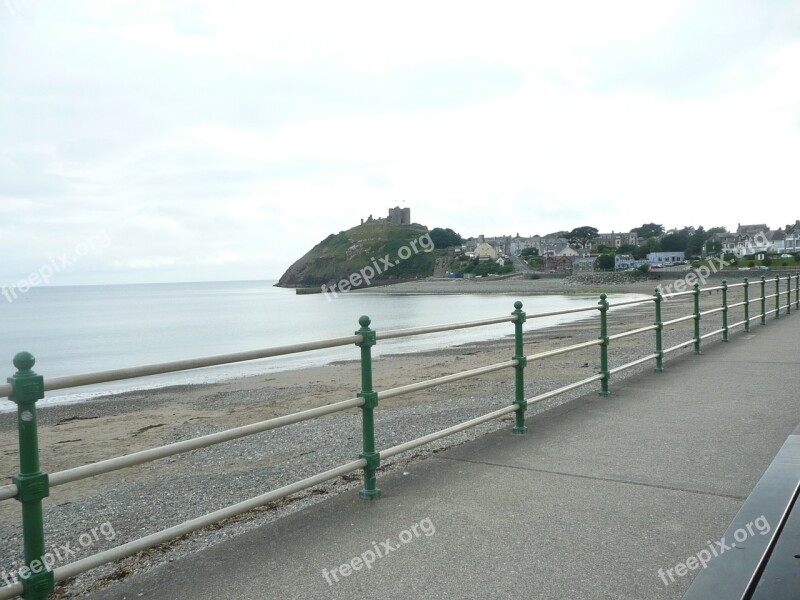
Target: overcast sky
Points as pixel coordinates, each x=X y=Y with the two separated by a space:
x=185 y=141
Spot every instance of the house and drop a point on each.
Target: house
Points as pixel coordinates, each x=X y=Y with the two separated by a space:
x=615 y=240
x=584 y=265
x=559 y=263
x=665 y=258
x=623 y=262
x=484 y=251
x=752 y=239
x=777 y=240
x=791 y=242
x=518 y=244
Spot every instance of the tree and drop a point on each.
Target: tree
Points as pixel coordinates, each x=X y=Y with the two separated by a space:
x=696 y=241
x=649 y=230
x=650 y=245
x=582 y=236
x=529 y=252
x=444 y=238
x=676 y=240
x=605 y=262
x=557 y=234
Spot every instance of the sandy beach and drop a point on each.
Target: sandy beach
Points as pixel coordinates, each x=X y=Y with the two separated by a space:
x=144 y=499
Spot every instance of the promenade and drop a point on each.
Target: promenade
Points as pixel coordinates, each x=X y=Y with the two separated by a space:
x=603 y=498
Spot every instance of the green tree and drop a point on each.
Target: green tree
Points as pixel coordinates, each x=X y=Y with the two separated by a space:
x=529 y=252
x=676 y=240
x=649 y=230
x=605 y=262
x=582 y=235
x=445 y=238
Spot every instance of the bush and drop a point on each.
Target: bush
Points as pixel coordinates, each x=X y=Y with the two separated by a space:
x=643 y=269
x=751 y=264
x=767 y=261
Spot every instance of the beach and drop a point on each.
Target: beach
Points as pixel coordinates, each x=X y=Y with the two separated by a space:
x=144 y=499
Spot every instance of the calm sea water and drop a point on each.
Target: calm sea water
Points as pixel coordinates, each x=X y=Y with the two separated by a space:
x=82 y=329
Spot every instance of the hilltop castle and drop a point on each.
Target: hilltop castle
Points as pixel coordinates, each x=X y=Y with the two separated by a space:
x=397 y=216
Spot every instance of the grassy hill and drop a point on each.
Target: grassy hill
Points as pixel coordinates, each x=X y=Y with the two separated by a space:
x=347 y=252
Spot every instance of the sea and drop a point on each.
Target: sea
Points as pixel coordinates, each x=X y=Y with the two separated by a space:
x=82 y=329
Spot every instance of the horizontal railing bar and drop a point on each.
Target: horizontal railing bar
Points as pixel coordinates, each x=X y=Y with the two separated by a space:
x=675 y=294
x=679 y=346
x=679 y=320
x=736 y=324
x=421 y=441
x=618 y=336
x=639 y=361
x=736 y=304
x=733 y=285
x=566 y=311
x=629 y=302
x=423 y=385
x=756 y=318
x=768 y=296
x=138 y=458
x=563 y=350
x=70 y=381
x=712 y=333
x=711 y=289
x=711 y=311
x=131 y=548
x=11 y=591
x=398 y=333
x=564 y=389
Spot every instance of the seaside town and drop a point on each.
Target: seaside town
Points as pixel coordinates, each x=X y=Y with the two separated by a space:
x=585 y=249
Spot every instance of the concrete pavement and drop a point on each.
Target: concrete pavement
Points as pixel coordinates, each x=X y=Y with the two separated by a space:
x=599 y=496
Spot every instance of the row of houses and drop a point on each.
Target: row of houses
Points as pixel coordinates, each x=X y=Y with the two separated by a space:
x=759 y=239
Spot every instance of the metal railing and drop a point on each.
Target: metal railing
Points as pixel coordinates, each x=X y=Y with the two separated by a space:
x=25 y=388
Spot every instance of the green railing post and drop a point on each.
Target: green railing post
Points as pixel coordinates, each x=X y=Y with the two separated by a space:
x=797 y=292
x=519 y=370
x=370 y=397
x=604 y=345
x=788 y=294
x=659 y=333
x=696 y=318
x=746 y=305
x=763 y=300
x=777 y=296
x=724 y=310
x=32 y=483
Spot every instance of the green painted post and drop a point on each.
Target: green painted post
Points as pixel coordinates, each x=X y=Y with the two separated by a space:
x=659 y=333
x=604 y=345
x=777 y=296
x=763 y=300
x=797 y=292
x=32 y=483
x=788 y=294
x=519 y=370
x=696 y=318
x=746 y=305
x=370 y=397
x=724 y=310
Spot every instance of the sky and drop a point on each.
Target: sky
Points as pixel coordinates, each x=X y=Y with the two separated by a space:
x=155 y=141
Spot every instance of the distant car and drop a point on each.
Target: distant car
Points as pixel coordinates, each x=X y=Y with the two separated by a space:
x=744 y=268
x=762 y=268
x=786 y=256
